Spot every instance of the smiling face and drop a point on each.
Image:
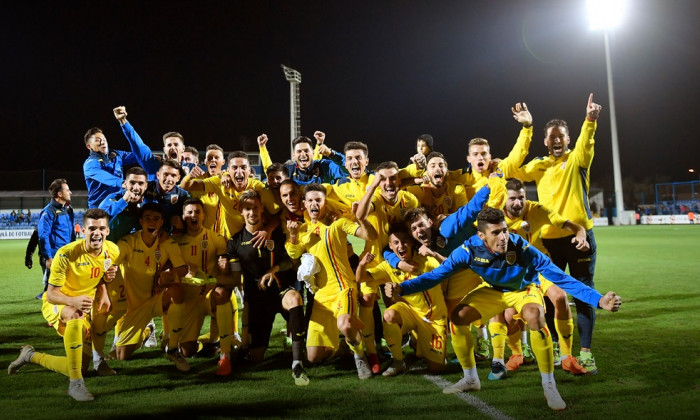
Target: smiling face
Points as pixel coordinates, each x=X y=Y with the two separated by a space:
x=479 y=157
x=290 y=198
x=303 y=155
x=193 y=217
x=495 y=236
x=401 y=243
x=98 y=143
x=389 y=184
x=151 y=222
x=173 y=147
x=422 y=230
x=515 y=203
x=355 y=162
x=274 y=178
x=214 y=161
x=239 y=169
x=168 y=178
x=95 y=231
x=437 y=169
x=136 y=184
x=557 y=141
x=314 y=202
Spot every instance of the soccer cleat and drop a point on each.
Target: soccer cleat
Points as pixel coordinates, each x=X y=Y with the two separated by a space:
x=299 y=375
x=481 y=351
x=79 y=392
x=396 y=367
x=570 y=364
x=587 y=361
x=25 y=357
x=373 y=361
x=363 y=370
x=514 y=362
x=464 y=385
x=528 y=355
x=151 y=342
x=236 y=340
x=498 y=371
x=178 y=359
x=554 y=400
x=557 y=353
x=39 y=296
x=112 y=351
x=103 y=369
x=224 y=366
x=207 y=350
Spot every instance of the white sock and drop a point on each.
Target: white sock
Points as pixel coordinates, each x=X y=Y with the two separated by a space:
x=547 y=377
x=471 y=373
x=501 y=361
x=295 y=363
x=524 y=337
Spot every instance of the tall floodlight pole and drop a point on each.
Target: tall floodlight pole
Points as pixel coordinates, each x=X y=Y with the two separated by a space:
x=294 y=79
x=605 y=15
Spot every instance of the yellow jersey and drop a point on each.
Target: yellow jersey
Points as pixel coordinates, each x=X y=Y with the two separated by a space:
x=201 y=252
x=383 y=214
x=446 y=203
x=535 y=216
x=77 y=272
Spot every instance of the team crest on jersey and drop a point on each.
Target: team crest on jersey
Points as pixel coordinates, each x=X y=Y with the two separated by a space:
x=510 y=257
x=440 y=241
x=448 y=201
x=108 y=263
x=205 y=244
x=173 y=198
x=157 y=255
x=270 y=245
x=563 y=165
x=525 y=226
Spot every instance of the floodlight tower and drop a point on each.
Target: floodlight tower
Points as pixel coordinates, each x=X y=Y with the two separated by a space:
x=605 y=15
x=294 y=79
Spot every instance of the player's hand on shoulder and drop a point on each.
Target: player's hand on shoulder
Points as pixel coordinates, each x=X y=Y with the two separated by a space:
x=610 y=302
x=226 y=180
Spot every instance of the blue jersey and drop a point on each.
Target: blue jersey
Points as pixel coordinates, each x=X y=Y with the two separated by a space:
x=323 y=171
x=55 y=228
x=145 y=156
x=170 y=201
x=104 y=174
x=514 y=270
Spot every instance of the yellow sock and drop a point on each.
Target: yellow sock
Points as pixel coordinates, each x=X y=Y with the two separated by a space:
x=542 y=347
x=73 y=343
x=58 y=364
x=498 y=332
x=356 y=348
x=565 y=328
x=392 y=335
x=234 y=310
x=176 y=320
x=224 y=318
x=367 y=318
x=166 y=328
x=463 y=345
x=515 y=343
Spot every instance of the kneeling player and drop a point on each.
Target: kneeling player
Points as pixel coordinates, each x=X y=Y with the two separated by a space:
x=425 y=313
x=268 y=284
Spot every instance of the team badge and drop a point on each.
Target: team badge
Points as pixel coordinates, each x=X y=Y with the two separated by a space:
x=440 y=241
x=525 y=226
x=157 y=255
x=108 y=263
x=173 y=198
x=563 y=165
x=448 y=201
x=270 y=245
x=205 y=244
x=510 y=257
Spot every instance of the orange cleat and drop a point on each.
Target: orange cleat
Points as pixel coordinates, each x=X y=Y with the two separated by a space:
x=571 y=365
x=373 y=361
x=224 y=367
x=514 y=362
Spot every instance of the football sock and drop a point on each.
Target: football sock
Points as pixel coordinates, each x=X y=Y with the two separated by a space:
x=296 y=330
x=515 y=343
x=463 y=345
x=224 y=319
x=73 y=343
x=356 y=348
x=542 y=347
x=565 y=328
x=498 y=332
x=176 y=319
x=236 y=328
x=367 y=318
x=392 y=335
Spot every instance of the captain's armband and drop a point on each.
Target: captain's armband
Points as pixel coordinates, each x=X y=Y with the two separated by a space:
x=234 y=264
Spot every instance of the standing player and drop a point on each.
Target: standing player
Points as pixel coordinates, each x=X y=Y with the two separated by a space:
x=424 y=313
x=438 y=195
x=268 y=285
x=511 y=266
x=334 y=302
x=563 y=180
x=76 y=273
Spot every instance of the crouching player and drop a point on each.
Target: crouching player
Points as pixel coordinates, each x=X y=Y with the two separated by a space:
x=151 y=289
x=268 y=284
x=425 y=313
x=511 y=266
x=77 y=271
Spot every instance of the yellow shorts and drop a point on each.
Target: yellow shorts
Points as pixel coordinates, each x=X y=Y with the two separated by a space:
x=489 y=301
x=459 y=285
x=430 y=336
x=544 y=284
x=117 y=294
x=323 y=325
x=52 y=315
x=136 y=318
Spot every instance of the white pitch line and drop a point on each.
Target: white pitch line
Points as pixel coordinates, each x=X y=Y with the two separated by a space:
x=470 y=399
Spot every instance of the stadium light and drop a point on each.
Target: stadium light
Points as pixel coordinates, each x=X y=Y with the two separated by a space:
x=605 y=15
x=693 y=172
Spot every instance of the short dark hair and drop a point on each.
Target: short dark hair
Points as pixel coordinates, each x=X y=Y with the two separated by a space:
x=314 y=187
x=489 y=216
x=276 y=167
x=514 y=184
x=214 y=147
x=91 y=132
x=556 y=123
x=411 y=215
x=56 y=186
x=173 y=134
x=95 y=214
x=248 y=195
x=290 y=181
x=237 y=154
x=356 y=145
x=302 y=139
x=427 y=138
x=151 y=207
x=192 y=149
x=136 y=170
x=435 y=155
x=396 y=228
x=170 y=162
x=192 y=200
x=386 y=165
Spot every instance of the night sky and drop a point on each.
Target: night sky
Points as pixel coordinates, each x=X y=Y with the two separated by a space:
x=380 y=72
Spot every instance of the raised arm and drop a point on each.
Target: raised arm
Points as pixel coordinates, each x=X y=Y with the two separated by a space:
x=265 y=159
x=144 y=155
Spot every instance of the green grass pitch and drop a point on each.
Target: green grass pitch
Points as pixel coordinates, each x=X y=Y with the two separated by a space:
x=646 y=355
